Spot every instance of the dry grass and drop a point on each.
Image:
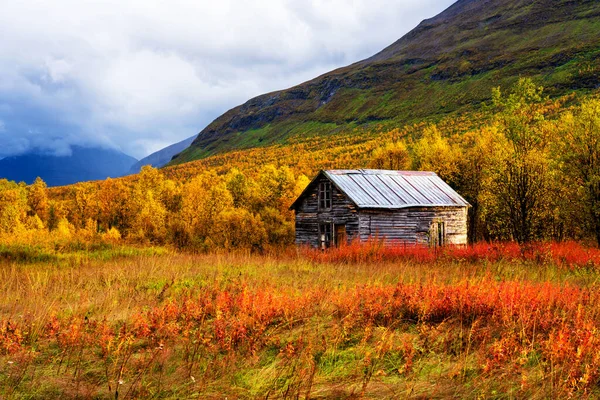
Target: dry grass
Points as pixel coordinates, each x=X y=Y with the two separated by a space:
x=298 y=325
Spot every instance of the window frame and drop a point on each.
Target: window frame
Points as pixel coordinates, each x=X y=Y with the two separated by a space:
x=325 y=196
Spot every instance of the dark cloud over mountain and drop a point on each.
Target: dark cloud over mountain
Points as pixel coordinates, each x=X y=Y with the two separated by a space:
x=140 y=75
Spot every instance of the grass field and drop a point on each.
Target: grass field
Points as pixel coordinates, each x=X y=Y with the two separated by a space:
x=360 y=322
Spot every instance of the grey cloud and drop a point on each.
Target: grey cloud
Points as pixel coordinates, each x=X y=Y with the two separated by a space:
x=141 y=74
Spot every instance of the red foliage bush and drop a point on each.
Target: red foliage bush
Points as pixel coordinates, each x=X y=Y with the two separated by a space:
x=565 y=254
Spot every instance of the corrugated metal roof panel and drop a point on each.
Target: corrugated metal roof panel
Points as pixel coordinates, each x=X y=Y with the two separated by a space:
x=402 y=194
x=355 y=192
x=414 y=192
x=382 y=182
x=369 y=188
x=426 y=186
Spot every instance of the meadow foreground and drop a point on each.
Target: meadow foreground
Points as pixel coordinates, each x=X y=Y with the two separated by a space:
x=482 y=322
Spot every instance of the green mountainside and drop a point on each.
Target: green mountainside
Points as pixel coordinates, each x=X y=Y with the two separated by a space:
x=448 y=64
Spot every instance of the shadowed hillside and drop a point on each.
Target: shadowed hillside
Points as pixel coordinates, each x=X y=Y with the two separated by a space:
x=84 y=164
x=163 y=156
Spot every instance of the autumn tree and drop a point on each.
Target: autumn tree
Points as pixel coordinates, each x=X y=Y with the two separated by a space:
x=113 y=197
x=274 y=191
x=275 y=188
x=479 y=155
x=149 y=221
x=239 y=229
x=239 y=186
x=56 y=212
x=13 y=206
x=146 y=211
x=203 y=199
x=83 y=204
x=521 y=179
x=37 y=199
x=580 y=154
x=433 y=152
x=171 y=196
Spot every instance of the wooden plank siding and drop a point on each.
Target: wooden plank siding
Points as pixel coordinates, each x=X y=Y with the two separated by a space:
x=308 y=215
x=412 y=225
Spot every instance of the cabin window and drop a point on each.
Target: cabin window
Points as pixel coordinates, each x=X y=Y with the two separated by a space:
x=325 y=196
x=325 y=235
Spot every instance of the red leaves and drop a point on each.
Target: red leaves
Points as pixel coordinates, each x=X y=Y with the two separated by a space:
x=563 y=254
x=11 y=337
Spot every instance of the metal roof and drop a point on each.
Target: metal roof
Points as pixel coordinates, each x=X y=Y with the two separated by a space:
x=383 y=189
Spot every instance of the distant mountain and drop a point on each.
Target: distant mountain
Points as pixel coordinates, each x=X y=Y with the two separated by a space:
x=162 y=157
x=84 y=164
x=448 y=64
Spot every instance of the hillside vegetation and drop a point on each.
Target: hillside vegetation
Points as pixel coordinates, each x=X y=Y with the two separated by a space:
x=446 y=66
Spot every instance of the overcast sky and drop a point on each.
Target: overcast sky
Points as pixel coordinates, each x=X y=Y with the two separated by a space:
x=139 y=75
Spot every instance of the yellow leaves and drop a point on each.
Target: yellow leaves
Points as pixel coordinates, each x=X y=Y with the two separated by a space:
x=234 y=211
x=237 y=184
x=34 y=223
x=275 y=187
x=11 y=216
x=89 y=232
x=579 y=156
x=150 y=179
x=37 y=199
x=524 y=92
x=204 y=197
x=112 y=197
x=239 y=229
x=301 y=183
x=111 y=236
x=149 y=221
x=85 y=204
x=64 y=230
x=393 y=155
x=170 y=195
x=435 y=153
x=279 y=227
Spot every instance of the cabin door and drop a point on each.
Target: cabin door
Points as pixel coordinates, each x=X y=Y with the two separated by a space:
x=437 y=234
x=341 y=238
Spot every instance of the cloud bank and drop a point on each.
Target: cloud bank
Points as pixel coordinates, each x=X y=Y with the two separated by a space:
x=140 y=75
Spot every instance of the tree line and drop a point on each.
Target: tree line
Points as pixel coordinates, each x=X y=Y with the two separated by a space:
x=208 y=211
x=528 y=165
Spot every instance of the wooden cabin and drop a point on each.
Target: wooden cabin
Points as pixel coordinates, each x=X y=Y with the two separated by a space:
x=398 y=207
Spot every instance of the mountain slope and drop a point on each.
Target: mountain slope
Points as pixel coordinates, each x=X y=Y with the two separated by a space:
x=84 y=164
x=162 y=157
x=447 y=64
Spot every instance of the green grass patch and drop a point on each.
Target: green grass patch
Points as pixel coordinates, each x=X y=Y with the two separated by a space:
x=73 y=251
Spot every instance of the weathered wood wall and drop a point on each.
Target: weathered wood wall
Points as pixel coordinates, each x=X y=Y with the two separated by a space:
x=412 y=225
x=308 y=216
